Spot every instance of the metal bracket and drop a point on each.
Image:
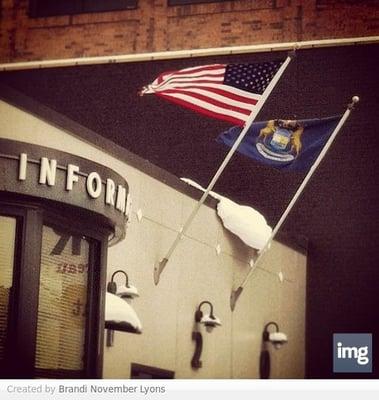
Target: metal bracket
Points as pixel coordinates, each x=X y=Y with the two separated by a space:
x=195 y=362
x=234 y=297
x=158 y=268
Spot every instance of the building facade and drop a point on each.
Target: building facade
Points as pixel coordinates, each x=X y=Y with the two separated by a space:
x=67 y=273
x=80 y=112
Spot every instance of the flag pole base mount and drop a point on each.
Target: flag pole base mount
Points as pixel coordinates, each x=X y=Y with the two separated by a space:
x=234 y=297
x=158 y=268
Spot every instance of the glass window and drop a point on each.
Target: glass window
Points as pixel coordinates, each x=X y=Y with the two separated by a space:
x=62 y=308
x=51 y=308
x=7 y=251
x=184 y=2
x=46 y=8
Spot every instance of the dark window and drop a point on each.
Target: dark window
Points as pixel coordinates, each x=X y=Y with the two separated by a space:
x=8 y=227
x=183 y=2
x=52 y=274
x=139 y=371
x=46 y=8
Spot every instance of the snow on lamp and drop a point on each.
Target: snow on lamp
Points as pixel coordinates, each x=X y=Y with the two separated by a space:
x=119 y=314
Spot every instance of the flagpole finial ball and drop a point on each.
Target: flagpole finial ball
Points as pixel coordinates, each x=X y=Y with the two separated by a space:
x=355 y=99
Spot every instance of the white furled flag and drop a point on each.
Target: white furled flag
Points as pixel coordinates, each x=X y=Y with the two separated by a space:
x=244 y=221
x=223 y=91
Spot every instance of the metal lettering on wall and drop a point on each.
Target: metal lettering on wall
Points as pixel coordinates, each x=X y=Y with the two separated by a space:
x=48 y=174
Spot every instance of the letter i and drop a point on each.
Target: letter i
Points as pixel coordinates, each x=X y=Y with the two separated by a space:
x=22 y=166
x=339 y=350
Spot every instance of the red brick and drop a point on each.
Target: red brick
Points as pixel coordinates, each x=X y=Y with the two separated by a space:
x=154 y=26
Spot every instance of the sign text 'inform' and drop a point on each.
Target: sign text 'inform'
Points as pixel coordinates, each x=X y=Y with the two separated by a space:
x=113 y=196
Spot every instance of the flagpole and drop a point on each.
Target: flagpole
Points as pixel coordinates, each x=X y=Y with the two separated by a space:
x=159 y=266
x=236 y=293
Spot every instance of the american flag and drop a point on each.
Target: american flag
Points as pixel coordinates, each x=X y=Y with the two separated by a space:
x=223 y=91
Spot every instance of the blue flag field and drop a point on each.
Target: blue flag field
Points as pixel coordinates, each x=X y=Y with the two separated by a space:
x=285 y=144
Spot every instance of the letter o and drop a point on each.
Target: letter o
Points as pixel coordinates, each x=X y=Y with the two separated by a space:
x=94 y=192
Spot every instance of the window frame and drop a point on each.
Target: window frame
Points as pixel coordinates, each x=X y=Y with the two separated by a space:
x=175 y=3
x=37 y=8
x=154 y=372
x=23 y=303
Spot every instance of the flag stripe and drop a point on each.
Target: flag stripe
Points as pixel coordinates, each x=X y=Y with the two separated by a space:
x=228 y=91
x=194 y=70
x=198 y=71
x=196 y=74
x=171 y=80
x=216 y=99
x=217 y=76
x=214 y=108
x=174 y=82
x=224 y=91
x=205 y=111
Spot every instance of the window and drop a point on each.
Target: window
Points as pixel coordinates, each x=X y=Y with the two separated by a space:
x=139 y=371
x=52 y=274
x=46 y=8
x=184 y=2
x=62 y=305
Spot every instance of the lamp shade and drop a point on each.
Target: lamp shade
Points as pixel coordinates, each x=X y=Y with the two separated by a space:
x=120 y=316
x=209 y=320
x=127 y=291
x=278 y=339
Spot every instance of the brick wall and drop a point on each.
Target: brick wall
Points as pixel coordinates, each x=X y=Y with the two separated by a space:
x=154 y=26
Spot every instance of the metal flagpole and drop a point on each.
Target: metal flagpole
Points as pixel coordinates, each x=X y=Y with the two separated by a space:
x=159 y=266
x=236 y=293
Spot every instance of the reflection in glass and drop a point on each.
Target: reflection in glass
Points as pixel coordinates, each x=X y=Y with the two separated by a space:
x=62 y=305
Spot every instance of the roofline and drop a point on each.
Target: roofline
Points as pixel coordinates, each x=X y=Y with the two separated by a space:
x=179 y=54
x=27 y=104
x=54 y=118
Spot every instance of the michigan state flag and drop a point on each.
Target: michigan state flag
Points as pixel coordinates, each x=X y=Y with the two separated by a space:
x=285 y=144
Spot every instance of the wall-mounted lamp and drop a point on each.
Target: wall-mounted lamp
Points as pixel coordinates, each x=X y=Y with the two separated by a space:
x=124 y=291
x=119 y=314
x=210 y=321
x=278 y=339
